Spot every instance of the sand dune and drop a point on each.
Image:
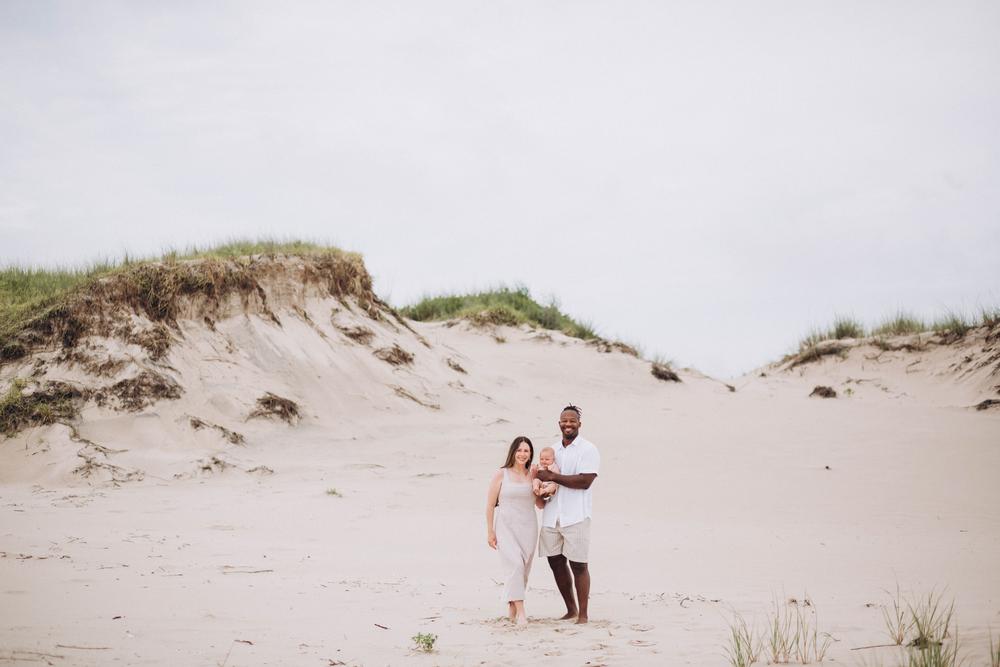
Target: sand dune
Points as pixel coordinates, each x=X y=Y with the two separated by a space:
x=178 y=520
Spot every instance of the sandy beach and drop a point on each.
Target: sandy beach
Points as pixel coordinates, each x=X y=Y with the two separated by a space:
x=334 y=539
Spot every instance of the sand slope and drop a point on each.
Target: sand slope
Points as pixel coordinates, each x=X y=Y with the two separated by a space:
x=209 y=552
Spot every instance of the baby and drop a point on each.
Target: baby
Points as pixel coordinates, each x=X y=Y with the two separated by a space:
x=546 y=461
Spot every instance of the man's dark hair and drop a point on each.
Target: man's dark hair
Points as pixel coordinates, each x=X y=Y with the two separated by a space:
x=577 y=410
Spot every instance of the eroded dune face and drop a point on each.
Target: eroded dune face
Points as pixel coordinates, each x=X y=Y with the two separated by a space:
x=288 y=466
x=182 y=387
x=932 y=369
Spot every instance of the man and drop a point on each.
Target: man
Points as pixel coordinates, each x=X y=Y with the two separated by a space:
x=565 y=532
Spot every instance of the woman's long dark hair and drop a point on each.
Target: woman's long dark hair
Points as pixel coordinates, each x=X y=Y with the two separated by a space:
x=509 y=463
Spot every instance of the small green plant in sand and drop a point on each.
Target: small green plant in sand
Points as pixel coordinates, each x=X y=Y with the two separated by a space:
x=808 y=642
x=334 y=492
x=994 y=651
x=779 y=640
x=424 y=642
x=744 y=645
x=931 y=619
x=944 y=654
x=896 y=622
x=793 y=632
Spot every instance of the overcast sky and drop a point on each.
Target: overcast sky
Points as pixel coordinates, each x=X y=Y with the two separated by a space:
x=706 y=179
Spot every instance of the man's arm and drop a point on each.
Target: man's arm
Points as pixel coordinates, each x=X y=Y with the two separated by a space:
x=581 y=481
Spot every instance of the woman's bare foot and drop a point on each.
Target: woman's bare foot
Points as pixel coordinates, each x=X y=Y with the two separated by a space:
x=521 y=621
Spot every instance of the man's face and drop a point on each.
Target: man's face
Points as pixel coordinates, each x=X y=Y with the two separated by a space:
x=569 y=424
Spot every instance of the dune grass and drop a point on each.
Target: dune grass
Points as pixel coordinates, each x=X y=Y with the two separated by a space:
x=500 y=306
x=923 y=627
x=743 y=648
x=902 y=323
x=896 y=622
x=30 y=293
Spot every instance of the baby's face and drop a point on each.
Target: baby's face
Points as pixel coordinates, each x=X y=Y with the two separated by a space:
x=546 y=458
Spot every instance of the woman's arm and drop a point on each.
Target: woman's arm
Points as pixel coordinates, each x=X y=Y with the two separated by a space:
x=491 y=502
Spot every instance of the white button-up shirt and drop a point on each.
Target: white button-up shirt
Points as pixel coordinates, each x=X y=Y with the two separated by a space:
x=569 y=506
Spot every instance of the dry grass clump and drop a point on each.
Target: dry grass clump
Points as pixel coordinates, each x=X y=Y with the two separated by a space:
x=359 y=334
x=136 y=393
x=661 y=370
x=608 y=346
x=155 y=340
x=823 y=392
x=403 y=393
x=455 y=366
x=232 y=436
x=817 y=351
x=394 y=355
x=271 y=405
x=44 y=404
x=496 y=316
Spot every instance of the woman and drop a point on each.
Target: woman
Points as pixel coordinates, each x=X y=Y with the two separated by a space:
x=513 y=531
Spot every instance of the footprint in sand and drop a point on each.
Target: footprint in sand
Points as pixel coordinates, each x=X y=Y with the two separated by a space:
x=641 y=643
x=641 y=628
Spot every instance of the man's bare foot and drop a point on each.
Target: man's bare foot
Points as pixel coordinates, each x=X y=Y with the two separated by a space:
x=568 y=616
x=581 y=620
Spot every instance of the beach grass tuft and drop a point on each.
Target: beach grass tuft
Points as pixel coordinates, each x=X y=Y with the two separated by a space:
x=931 y=619
x=499 y=306
x=744 y=645
x=896 y=623
x=953 y=325
x=780 y=639
x=900 y=324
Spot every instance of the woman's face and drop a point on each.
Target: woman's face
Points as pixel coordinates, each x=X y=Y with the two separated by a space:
x=523 y=454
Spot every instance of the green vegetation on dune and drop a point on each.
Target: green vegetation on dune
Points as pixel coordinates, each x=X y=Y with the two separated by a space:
x=501 y=306
x=35 y=297
x=952 y=323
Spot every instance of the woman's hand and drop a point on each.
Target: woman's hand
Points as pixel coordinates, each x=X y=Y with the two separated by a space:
x=491 y=540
